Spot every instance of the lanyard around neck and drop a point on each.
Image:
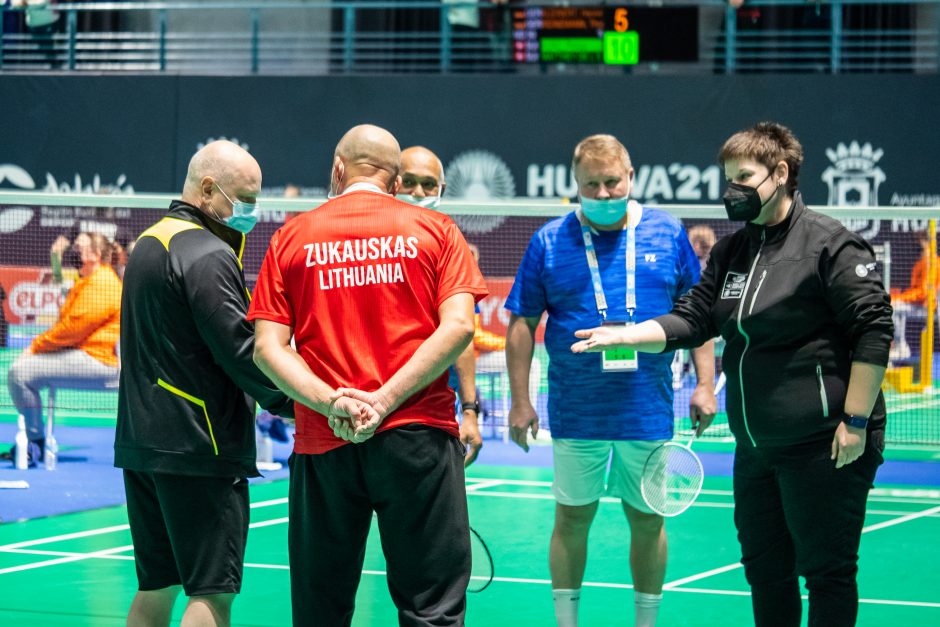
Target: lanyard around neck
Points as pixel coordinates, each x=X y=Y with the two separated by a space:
x=633 y=209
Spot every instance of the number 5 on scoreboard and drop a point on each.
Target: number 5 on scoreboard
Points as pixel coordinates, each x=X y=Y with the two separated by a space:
x=621 y=22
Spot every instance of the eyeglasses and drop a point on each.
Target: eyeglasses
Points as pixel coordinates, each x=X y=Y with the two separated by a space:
x=427 y=183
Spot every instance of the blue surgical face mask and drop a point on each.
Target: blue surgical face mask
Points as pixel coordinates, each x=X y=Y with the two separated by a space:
x=428 y=202
x=604 y=212
x=243 y=217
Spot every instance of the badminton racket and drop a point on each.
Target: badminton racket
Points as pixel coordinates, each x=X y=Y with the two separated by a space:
x=672 y=478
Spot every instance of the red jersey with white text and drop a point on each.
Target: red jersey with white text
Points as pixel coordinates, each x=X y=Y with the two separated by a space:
x=360 y=280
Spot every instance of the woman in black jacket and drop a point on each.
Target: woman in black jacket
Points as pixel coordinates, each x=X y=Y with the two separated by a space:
x=808 y=327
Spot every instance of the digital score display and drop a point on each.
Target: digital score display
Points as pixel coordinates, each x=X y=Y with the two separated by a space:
x=612 y=35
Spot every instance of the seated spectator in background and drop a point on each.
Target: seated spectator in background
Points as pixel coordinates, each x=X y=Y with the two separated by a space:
x=916 y=293
x=702 y=237
x=489 y=349
x=80 y=347
x=911 y=302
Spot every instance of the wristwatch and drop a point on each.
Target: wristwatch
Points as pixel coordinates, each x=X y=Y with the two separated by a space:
x=859 y=422
x=474 y=405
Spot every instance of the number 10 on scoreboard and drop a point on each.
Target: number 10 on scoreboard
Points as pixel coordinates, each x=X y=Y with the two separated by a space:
x=621 y=48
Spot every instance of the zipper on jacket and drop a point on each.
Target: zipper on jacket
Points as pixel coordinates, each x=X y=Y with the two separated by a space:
x=822 y=391
x=754 y=297
x=747 y=338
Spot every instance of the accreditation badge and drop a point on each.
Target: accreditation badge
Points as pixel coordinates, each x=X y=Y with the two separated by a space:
x=619 y=359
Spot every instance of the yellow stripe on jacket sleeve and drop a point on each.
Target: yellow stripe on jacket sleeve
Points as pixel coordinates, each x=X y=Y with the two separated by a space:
x=166 y=229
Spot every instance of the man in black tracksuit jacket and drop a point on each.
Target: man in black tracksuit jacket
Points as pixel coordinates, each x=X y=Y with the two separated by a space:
x=186 y=410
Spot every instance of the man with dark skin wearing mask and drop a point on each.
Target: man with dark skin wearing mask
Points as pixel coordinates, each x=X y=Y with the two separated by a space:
x=422 y=184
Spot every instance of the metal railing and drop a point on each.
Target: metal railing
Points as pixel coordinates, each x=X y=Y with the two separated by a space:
x=346 y=37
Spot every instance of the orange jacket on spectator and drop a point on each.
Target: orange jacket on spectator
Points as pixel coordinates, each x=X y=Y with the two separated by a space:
x=89 y=320
x=485 y=341
x=917 y=292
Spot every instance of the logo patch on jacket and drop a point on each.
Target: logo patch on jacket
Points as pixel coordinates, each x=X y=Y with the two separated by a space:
x=734 y=285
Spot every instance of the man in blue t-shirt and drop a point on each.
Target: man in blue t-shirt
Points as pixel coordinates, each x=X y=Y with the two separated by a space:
x=615 y=262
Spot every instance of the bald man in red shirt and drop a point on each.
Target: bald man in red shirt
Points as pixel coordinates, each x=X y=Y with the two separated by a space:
x=379 y=296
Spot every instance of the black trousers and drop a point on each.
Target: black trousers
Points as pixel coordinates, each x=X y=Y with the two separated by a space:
x=413 y=478
x=797 y=515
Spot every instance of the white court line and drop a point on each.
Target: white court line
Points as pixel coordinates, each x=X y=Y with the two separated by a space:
x=915 y=493
x=109 y=555
x=280 y=501
x=888 y=523
x=472 y=490
x=894 y=512
x=907 y=603
x=603 y=499
x=534 y=484
x=64 y=560
x=902 y=493
x=67 y=536
x=71 y=554
x=743 y=593
x=112 y=529
x=268 y=523
x=902 y=519
x=896 y=499
x=482 y=485
x=704 y=575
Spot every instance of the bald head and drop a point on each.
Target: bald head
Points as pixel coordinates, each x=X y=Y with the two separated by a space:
x=422 y=173
x=218 y=174
x=367 y=154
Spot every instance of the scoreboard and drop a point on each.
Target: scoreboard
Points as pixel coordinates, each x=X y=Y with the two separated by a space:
x=612 y=35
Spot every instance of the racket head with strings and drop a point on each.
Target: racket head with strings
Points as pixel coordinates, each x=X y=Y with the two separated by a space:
x=481 y=574
x=672 y=479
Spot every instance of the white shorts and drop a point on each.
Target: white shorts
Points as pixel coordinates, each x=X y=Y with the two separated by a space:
x=581 y=466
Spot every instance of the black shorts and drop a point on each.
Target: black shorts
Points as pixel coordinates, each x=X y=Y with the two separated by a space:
x=188 y=530
x=413 y=478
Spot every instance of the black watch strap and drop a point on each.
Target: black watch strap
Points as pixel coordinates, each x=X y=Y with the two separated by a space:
x=859 y=422
x=474 y=405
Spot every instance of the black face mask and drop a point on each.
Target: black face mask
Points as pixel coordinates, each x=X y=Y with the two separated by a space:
x=742 y=202
x=71 y=259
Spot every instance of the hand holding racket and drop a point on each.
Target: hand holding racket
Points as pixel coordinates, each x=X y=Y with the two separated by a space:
x=703 y=405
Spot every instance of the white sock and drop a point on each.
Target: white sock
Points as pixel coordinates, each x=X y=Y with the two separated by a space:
x=647 y=608
x=566 y=606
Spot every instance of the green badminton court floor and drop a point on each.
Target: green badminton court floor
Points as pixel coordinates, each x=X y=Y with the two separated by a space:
x=78 y=569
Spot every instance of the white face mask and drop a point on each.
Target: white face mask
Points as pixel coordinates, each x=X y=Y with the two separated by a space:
x=428 y=202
